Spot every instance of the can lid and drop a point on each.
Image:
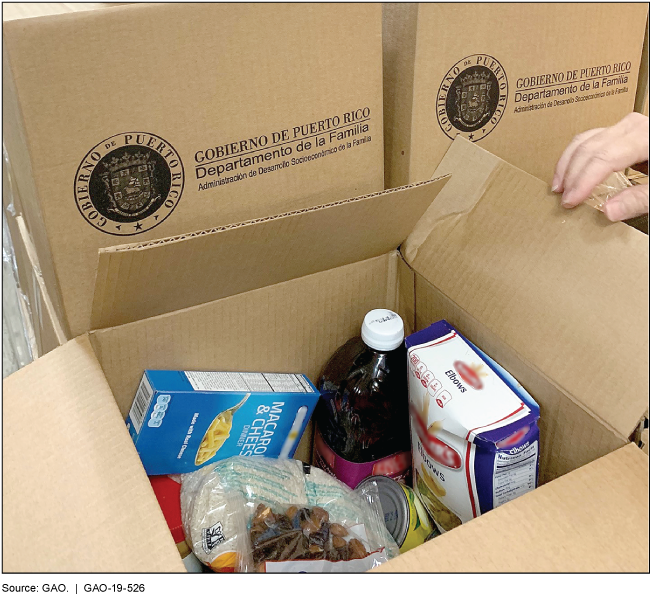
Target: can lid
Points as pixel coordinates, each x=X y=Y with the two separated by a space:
x=382 y=329
x=394 y=504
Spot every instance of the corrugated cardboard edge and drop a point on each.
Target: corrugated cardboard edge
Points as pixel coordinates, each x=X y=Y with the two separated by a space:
x=70 y=470
x=141 y=280
x=260 y=220
x=399 y=38
x=594 y=519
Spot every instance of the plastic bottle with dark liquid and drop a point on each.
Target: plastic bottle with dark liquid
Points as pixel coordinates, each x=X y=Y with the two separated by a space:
x=362 y=417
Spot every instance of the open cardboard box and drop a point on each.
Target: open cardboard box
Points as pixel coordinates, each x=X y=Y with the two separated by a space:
x=557 y=297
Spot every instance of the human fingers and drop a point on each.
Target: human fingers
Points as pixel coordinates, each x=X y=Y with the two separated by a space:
x=628 y=203
x=608 y=151
x=565 y=158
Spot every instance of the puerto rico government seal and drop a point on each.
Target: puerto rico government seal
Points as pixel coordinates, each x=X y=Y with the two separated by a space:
x=472 y=97
x=129 y=183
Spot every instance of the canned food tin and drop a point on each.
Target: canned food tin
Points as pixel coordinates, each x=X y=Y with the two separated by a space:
x=404 y=515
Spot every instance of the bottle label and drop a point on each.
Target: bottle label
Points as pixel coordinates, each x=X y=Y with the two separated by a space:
x=396 y=466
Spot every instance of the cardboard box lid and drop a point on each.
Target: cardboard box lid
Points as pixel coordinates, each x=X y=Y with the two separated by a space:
x=69 y=466
x=594 y=519
x=138 y=281
x=566 y=289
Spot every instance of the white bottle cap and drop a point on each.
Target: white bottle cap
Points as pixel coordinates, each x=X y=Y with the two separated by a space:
x=382 y=329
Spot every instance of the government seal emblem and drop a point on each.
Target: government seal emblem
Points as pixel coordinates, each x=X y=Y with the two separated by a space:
x=472 y=97
x=129 y=183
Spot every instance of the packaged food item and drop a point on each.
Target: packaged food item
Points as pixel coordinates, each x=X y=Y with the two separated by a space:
x=281 y=515
x=168 y=493
x=362 y=423
x=474 y=428
x=404 y=515
x=182 y=420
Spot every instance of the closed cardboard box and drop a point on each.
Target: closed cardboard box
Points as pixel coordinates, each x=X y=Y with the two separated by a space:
x=521 y=80
x=226 y=113
x=494 y=254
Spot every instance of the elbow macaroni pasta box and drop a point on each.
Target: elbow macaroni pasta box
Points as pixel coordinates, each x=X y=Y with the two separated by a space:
x=183 y=420
x=473 y=428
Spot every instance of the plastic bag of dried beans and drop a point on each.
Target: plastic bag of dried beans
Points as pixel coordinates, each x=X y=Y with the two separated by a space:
x=268 y=515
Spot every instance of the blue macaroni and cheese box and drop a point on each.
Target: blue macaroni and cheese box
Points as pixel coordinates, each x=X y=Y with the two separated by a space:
x=183 y=420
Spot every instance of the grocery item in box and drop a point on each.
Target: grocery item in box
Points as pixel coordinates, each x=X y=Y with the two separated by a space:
x=404 y=515
x=362 y=424
x=273 y=515
x=473 y=428
x=168 y=493
x=182 y=420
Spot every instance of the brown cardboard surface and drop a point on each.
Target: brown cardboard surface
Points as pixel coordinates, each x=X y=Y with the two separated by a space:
x=139 y=281
x=71 y=471
x=570 y=436
x=249 y=71
x=523 y=41
x=511 y=257
x=586 y=521
x=399 y=35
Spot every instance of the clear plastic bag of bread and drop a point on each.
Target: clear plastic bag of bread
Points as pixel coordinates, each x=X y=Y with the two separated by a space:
x=267 y=515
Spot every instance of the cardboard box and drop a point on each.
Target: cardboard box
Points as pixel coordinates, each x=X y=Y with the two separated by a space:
x=533 y=69
x=494 y=254
x=115 y=136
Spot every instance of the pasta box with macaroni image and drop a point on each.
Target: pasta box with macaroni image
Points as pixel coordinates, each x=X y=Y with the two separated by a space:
x=183 y=420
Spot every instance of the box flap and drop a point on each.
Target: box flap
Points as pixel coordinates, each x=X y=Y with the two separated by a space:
x=69 y=465
x=594 y=519
x=545 y=279
x=137 y=281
